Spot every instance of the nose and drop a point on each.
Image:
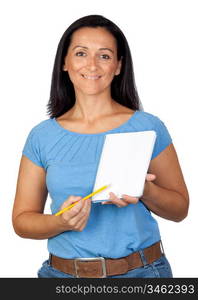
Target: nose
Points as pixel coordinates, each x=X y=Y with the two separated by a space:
x=92 y=63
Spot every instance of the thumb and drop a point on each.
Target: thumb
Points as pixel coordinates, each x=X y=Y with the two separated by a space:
x=150 y=177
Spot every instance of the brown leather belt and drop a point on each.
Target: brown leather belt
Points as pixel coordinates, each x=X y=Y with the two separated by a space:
x=99 y=267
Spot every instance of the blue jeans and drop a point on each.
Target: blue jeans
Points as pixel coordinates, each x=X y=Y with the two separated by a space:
x=158 y=269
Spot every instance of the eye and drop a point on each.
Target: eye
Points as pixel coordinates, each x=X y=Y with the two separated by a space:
x=105 y=56
x=80 y=53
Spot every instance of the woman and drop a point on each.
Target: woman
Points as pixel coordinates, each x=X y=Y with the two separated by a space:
x=93 y=93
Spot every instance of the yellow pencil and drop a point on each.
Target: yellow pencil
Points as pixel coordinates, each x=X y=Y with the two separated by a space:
x=88 y=196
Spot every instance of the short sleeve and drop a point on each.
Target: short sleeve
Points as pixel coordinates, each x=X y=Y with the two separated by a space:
x=163 y=138
x=32 y=148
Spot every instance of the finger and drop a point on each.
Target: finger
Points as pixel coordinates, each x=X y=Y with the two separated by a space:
x=106 y=202
x=150 y=177
x=130 y=199
x=86 y=206
x=81 y=219
x=74 y=211
x=84 y=210
x=80 y=225
x=117 y=201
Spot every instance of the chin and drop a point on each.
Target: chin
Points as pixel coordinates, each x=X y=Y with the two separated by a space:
x=92 y=91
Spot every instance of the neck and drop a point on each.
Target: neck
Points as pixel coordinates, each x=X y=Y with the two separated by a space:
x=89 y=108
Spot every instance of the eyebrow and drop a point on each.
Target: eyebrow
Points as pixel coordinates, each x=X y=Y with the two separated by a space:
x=88 y=48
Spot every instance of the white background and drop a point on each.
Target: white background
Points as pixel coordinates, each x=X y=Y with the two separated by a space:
x=162 y=35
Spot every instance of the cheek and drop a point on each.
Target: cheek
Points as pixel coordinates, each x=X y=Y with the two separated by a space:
x=74 y=72
x=75 y=65
x=110 y=72
x=111 y=68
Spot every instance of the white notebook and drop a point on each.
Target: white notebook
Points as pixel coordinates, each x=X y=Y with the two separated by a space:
x=124 y=164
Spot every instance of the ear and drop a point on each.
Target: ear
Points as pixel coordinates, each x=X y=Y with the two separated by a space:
x=65 y=65
x=117 y=72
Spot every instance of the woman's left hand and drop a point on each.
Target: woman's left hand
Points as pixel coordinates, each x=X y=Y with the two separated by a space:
x=126 y=199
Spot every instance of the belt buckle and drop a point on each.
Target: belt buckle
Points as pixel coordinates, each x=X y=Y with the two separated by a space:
x=104 y=271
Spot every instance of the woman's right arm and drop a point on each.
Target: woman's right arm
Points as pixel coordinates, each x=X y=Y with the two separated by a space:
x=31 y=194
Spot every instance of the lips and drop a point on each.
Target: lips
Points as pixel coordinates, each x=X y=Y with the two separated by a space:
x=91 y=77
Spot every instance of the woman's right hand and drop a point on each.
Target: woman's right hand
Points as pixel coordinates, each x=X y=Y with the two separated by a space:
x=76 y=217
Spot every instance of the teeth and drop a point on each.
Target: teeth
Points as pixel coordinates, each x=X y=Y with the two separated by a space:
x=91 y=77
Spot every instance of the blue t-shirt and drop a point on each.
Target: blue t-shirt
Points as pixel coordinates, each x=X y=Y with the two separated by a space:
x=70 y=160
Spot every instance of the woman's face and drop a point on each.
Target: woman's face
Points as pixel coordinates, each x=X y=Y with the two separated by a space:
x=91 y=60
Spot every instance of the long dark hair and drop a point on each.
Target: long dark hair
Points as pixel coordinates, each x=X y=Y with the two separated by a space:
x=123 y=88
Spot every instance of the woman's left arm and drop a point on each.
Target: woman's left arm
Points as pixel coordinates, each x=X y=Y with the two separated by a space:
x=167 y=195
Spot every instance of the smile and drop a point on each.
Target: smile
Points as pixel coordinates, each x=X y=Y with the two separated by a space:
x=93 y=77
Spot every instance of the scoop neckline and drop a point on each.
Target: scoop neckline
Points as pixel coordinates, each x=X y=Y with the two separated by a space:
x=56 y=123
